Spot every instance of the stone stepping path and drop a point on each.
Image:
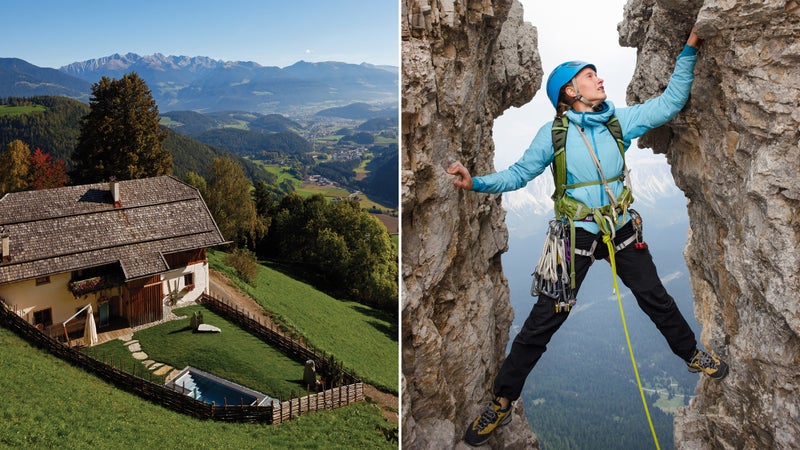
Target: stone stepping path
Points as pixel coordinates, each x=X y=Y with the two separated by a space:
x=134 y=347
x=163 y=370
x=158 y=369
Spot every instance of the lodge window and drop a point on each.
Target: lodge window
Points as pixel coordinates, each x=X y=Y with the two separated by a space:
x=42 y=280
x=43 y=317
x=188 y=279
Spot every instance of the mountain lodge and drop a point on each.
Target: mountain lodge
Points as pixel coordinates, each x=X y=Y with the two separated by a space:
x=127 y=248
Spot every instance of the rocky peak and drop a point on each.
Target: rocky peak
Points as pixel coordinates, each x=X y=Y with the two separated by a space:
x=735 y=152
x=156 y=61
x=464 y=63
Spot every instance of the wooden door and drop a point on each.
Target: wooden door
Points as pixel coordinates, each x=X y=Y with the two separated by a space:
x=145 y=301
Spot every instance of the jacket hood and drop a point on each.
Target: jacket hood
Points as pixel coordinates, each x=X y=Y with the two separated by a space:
x=592 y=119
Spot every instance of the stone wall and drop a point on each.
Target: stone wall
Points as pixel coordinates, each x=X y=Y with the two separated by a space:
x=464 y=63
x=734 y=153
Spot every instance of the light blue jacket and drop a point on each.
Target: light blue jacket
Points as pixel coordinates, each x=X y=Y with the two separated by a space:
x=634 y=121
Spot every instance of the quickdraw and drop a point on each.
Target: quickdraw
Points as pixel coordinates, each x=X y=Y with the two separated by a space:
x=552 y=275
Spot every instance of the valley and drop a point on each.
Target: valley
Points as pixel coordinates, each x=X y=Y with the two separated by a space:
x=582 y=393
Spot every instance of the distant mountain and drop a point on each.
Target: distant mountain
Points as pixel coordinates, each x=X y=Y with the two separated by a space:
x=21 y=79
x=205 y=84
x=274 y=123
x=188 y=122
x=378 y=124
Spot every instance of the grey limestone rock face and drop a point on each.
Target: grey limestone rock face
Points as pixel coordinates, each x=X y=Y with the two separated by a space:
x=735 y=152
x=464 y=63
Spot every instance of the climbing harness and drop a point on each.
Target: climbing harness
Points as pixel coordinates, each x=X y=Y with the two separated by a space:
x=552 y=270
x=606 y=217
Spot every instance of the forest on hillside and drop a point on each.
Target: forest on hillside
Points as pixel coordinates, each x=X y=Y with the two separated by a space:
x=55 y=130
x=338 y=246
x=52 y=124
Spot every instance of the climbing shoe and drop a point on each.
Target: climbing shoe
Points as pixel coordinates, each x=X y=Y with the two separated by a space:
x=493 y=416
x=710 y=365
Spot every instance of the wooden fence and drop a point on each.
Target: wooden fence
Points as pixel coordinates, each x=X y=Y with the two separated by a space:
x=329 y=399
x=275 y=337
x=177 y=401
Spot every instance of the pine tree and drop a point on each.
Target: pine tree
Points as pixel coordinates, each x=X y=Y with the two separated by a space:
x=15 y=165
x=121 y=136
x=228 y=198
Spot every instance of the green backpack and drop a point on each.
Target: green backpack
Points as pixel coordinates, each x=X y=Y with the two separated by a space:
x=564 y=205
x=569 y=209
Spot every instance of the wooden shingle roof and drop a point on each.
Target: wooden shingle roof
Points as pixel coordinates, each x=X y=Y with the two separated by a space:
x=60 y=230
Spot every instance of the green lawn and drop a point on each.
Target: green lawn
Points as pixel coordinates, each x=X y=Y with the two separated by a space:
x=233 y=354
x=363 y=338
x=48 y=403
x=6 y=110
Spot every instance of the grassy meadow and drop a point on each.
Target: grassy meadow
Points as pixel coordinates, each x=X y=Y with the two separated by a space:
x=6 y=110
x=364 y=339
x=48 y=403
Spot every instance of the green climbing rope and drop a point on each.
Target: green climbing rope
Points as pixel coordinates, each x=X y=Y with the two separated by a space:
x=610 y=243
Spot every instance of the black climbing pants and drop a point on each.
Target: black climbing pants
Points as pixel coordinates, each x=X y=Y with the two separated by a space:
x=636 y=269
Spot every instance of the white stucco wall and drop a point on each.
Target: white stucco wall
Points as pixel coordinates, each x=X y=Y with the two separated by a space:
x=201 y=281
x=28 y=297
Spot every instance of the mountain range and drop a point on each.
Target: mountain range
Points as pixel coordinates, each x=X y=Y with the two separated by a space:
x=19 y=78
x=203 y=84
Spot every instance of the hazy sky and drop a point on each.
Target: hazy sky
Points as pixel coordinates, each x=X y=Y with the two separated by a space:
x=54 y=33
x=575 y=29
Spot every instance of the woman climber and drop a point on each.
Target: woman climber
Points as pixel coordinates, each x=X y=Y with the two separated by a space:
x=594 y=208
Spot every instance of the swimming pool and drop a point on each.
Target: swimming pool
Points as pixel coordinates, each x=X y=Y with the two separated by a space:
x=210 y=388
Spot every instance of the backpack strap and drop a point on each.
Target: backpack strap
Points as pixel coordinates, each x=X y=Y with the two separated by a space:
x=616 y=130
x=559 y=165
x=559 y=169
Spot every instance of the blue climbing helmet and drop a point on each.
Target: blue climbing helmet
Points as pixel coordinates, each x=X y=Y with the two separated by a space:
x=562 y=75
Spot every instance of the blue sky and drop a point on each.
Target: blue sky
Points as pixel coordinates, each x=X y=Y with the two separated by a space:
x=514 y=130
x=54 y=33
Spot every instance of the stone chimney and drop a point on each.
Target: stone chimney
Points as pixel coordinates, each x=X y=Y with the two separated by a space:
x=113 y=186
x=5 y=248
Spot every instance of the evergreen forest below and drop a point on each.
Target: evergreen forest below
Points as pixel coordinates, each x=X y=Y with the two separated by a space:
x=361 y=157
x=254 y=171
